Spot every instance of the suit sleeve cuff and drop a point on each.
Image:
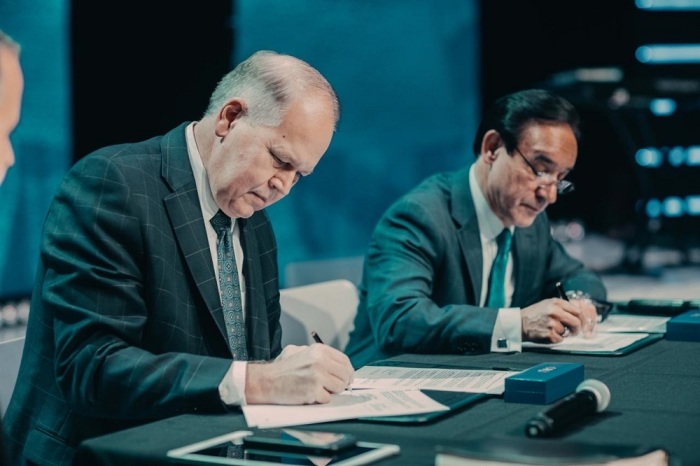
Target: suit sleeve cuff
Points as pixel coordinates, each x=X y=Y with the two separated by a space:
x=232 y=387
x=507 y=331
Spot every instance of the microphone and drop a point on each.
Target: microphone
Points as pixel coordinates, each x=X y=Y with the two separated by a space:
x=591 y=396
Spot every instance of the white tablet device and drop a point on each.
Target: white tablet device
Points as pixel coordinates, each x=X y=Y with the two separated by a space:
x=231 y=449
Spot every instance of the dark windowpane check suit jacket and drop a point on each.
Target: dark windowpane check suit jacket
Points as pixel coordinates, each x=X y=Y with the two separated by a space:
x=126 y=324
x=422 y=277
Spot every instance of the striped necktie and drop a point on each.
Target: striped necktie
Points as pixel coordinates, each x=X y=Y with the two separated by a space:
x=497 y=281
x=230 y=287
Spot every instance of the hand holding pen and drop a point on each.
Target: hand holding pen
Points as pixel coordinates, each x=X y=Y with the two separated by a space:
x=317 y=339
x=586 y=309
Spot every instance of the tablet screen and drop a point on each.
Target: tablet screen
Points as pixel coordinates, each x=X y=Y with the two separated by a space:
x=231 y=450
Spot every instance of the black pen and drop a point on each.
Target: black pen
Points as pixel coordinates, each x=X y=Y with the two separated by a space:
x=317 y=339
x=562 y=295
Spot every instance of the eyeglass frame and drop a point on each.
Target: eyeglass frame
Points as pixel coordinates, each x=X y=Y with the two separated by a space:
x=563 y=186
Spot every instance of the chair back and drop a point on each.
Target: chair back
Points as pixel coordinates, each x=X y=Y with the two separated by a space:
x=10 y=357
x=328 y=308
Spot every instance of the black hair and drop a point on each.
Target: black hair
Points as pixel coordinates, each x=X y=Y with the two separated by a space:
x=511 y=113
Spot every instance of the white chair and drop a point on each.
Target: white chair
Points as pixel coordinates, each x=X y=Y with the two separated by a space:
x=328 y=308
x=10 y=357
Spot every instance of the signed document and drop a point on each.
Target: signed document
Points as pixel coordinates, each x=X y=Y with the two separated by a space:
x=346 y=405
x=621 y=323
x=599 y=342
x=453 y=380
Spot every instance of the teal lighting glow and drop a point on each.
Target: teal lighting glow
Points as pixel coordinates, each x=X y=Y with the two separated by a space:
x=693 y=156
x=673 y=5
x=653 y=208
x=649 y=157
x=653 y=157
x=662 y=107
x=676 y=156
x=673 y=206
x=668 y=54
x=692 y=205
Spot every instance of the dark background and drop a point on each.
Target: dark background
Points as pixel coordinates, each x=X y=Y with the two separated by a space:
x=135 y=72
x=523 y=44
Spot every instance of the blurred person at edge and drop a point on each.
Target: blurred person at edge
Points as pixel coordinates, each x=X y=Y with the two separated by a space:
x=11 y=86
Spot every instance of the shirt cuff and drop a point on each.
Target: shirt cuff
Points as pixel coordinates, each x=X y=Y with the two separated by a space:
x=232 y=387
x=507 y=332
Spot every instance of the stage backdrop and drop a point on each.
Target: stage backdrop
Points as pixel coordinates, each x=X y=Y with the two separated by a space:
x=406 y=74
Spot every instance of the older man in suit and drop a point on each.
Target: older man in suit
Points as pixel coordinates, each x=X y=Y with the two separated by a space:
x=157 y=288
x=465 y=263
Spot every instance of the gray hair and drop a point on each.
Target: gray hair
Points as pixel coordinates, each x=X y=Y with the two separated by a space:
x=7 y=41
x=269 y=82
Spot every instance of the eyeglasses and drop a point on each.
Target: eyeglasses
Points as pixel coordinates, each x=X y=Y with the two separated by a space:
x=547 y=179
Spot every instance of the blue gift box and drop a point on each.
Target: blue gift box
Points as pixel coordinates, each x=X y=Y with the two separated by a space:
x=684 y=327
x=544 y=383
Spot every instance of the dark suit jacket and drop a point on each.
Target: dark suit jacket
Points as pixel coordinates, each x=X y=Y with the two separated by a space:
x=126 y=323
x=422 y=275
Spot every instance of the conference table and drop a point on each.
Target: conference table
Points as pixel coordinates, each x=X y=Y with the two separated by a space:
x=655 y=403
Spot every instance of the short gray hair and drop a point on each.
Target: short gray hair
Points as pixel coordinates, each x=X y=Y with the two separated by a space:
x=269 y=82
x=7 y=41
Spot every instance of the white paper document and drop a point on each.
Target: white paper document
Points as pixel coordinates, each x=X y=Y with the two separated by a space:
x=346 y=405
x=453 y=380
x=619 y=323
x=599 y=342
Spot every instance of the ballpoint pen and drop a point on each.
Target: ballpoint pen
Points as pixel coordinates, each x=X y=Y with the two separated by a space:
x=317 y=339
x=562 y=295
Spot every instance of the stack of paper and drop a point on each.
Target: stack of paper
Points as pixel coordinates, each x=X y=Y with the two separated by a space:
x=381 y=391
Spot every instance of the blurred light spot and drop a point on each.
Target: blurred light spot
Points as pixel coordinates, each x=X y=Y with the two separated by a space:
x=676 y=156
x=693 y=155
x=692 y=205
x=662 y=107
x=653 y=208
x=673 y=206
x=668 y=54
x=649 y=157
x=678 y=5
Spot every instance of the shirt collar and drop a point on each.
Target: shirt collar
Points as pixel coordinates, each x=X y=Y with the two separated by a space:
x=490 y=225
x=206 y=199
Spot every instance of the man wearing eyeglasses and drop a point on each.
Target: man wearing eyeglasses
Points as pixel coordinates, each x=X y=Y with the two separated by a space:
x=465 y=263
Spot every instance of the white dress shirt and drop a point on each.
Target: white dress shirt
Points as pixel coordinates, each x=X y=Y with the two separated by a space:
x=232 y=387
x=508 y=327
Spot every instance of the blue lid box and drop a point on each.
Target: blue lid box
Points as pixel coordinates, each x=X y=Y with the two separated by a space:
x=544 y=383
x=684 y=327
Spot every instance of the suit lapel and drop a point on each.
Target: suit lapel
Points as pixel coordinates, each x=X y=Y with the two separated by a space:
x=256 y=321
x=185 y=216
x=464 y=214
x=522 y=256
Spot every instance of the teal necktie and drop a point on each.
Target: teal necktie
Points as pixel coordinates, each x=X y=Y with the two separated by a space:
x=230 y=287
x=497 y=281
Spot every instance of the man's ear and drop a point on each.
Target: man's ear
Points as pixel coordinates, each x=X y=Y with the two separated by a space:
x=229 y=113
x=490 y=144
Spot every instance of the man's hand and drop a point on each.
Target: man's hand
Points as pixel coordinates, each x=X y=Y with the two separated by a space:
x=548 y=320
x=299 y=375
